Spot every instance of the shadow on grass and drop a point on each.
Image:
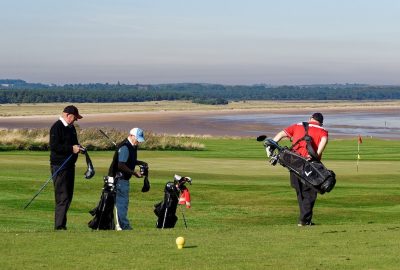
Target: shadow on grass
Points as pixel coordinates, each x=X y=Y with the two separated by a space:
x=190 y=247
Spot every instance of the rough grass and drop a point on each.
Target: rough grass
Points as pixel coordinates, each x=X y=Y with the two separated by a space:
x=244 y=213
x=38 y=139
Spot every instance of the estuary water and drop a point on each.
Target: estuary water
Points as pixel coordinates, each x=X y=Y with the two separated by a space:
x=382 y=124
x=371 y=124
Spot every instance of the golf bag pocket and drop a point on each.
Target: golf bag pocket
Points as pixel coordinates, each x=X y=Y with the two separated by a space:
x=319 y=176
x=311 y=173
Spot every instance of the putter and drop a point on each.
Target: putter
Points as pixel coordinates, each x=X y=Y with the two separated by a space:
x=45 y=184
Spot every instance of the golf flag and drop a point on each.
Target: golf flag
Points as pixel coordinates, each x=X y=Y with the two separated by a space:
x=358 y=149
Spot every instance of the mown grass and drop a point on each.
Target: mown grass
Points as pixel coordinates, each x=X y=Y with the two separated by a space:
x=244 y=213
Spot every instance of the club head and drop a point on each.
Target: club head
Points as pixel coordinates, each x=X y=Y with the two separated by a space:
x=261 y=138
x=188 y=180
x=89 y=172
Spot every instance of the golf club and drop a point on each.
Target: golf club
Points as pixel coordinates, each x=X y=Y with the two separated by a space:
x=105 y=135
x=51 y=178
x=183 y=215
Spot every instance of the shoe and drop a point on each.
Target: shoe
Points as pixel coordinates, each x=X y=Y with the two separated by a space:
x=301 y=224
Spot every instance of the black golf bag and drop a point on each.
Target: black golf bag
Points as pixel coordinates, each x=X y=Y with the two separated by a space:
x=310 y=172
x=103 y=213
x=166 y=209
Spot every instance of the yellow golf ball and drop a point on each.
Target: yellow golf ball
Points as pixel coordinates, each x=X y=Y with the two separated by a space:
x=180 y=242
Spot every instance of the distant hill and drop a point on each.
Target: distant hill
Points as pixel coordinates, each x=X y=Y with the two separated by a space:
x=20 y=84
x=20 y=91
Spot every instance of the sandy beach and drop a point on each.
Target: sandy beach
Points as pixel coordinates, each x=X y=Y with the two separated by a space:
x=187 y=118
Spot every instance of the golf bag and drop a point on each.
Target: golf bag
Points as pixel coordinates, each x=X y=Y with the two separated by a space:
x=166 y=209
x=312 y=173
x=103 y=213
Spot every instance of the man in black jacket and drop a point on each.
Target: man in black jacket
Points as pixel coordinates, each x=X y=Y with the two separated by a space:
x=64 y=149
x=122 y=168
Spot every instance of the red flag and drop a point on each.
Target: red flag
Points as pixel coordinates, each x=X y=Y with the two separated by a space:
x=359 y=139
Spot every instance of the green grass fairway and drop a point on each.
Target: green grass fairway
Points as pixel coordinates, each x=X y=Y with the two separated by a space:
x=243 y=215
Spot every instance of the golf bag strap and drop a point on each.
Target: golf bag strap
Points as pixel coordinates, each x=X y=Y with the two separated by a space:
x=308 y=140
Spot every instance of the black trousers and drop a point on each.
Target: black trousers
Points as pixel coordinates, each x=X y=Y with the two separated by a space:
x=63 y=193
x=306 y=198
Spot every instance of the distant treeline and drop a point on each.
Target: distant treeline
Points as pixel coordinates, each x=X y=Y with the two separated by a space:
x=19 y=91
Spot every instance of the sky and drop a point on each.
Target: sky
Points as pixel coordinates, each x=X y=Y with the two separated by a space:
x=201 y=41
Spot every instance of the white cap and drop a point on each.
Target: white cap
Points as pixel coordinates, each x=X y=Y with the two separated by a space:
x=138 y=133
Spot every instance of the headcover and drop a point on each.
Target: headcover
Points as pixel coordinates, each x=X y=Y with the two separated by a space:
x=144 y=170
x=90 y=169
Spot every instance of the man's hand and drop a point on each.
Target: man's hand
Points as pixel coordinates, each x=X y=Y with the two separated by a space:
x=137 y=174
x=76 y=149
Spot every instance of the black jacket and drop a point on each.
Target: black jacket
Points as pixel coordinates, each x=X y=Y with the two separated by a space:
x=130 y=163
x=62 y=139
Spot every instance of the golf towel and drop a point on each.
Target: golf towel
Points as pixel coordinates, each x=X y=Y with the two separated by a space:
x=185 y=197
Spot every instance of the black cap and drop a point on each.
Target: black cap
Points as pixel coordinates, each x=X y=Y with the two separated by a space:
x=319 y=117
x=72 y=110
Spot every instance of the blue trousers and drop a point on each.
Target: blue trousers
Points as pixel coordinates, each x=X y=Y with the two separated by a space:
x=122 y=203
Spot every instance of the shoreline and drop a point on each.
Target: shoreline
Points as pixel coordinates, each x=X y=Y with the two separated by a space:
x=51 y=109
x=194 y=121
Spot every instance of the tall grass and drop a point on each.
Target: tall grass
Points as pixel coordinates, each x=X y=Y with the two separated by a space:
x=38 y=139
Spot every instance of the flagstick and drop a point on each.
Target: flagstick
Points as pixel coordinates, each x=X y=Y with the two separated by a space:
x=358 y=153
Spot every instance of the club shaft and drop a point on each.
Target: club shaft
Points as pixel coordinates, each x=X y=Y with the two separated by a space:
x=105 y=135
x=48 y=180
x=183 y=215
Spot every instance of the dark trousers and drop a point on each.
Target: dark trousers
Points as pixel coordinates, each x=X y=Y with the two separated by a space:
x=306 y=198
x=63 y=193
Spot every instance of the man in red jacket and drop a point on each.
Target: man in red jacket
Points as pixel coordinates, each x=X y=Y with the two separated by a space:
x=306 y=196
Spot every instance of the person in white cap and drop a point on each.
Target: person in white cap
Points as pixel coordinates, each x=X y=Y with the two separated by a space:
x=122 y=168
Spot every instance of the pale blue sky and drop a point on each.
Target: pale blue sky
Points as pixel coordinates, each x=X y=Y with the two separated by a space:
x=229 y=42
